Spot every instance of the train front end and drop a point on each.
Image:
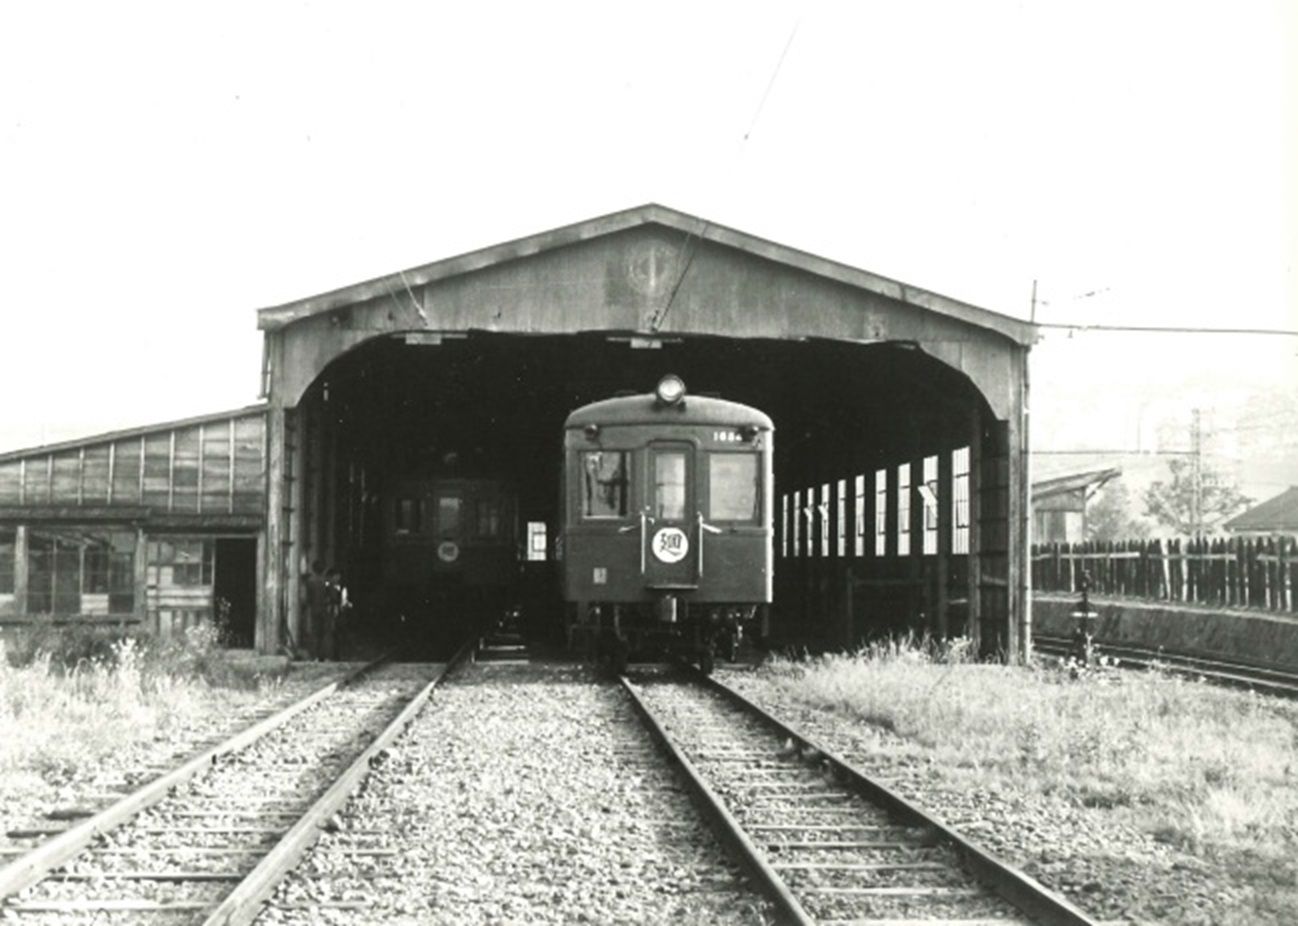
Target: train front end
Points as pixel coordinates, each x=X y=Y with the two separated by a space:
x=667 y=541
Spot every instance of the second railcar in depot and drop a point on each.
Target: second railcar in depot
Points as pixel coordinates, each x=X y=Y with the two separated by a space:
x=450 y=557
x=666 y=535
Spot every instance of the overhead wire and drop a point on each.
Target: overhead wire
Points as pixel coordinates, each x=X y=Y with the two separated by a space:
x=1168 y=329
x=686 y=253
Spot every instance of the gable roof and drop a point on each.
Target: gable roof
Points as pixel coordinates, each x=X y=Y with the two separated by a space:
x=1073 y=482
x=276 y=317
x=1274 y=514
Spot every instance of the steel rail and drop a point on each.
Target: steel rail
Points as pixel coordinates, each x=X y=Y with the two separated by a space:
x=1233 y=674
x=724 y=824
x=1034 y=899
x=243 y=904
x=29 y=868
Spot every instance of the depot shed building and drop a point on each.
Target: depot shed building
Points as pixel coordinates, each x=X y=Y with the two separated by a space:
x=900 y=414
x=901 y=499
x=155 y=527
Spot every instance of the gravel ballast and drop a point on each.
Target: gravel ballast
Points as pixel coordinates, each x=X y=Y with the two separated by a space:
x=522 y=794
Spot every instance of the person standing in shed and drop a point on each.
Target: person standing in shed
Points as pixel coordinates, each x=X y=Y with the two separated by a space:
x=317 y=606
x=335 y=608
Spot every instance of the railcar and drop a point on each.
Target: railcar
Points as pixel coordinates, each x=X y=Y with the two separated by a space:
x=666 y=536
x=450 y=554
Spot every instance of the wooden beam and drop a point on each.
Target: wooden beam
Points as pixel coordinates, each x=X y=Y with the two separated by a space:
x=1019 y=527
x=112 y=469
x=270 y=603
x=974 y=612
x=231 y=445
x=945 y=508
x=141 y=604
x=202 y=449
x=20 y=570
x=171 y=473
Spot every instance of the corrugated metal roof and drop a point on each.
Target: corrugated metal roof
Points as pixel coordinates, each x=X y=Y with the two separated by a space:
x=1274 y=514
x=43 y=449
x=276 y=317
x=1073 y=482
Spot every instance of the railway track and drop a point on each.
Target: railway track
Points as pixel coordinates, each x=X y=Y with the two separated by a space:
x=824 y=842
x=1221 y=672
x=531 y=795
x=208 y=841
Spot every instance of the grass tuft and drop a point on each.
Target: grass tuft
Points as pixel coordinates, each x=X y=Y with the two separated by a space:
x=69 y=700
x=1193 y=763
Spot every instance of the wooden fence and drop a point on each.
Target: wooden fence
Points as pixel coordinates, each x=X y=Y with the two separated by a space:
x=1237 y=572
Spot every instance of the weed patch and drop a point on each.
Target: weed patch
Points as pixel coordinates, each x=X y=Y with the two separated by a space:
x=69 y=700
x=1194 y=764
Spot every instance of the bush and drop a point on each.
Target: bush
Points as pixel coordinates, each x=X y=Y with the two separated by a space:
x=194 y=654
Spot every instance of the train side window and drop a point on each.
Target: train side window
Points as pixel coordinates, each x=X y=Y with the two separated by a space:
x=536 y=543
x=733 y=490
x=407 y=516
x=604 y=484
x=669 y=485
x=488 y=517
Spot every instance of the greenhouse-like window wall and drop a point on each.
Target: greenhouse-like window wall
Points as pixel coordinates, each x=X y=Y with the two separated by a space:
x=67 y=571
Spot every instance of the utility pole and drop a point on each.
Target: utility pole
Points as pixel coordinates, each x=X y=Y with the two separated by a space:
x=1196 y=473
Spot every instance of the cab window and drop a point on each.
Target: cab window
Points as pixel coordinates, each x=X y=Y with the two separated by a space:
x=448 y=515
x=407 y=516
x=669 y=485
x=734 y=491
x=604 y=484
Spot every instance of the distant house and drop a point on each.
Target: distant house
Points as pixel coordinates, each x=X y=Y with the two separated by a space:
x=1277 y=515
x=1059 y=505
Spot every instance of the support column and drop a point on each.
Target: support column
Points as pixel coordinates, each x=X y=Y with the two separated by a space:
x=944 y=508
x=20 y=571
x=270 y=603
x=973 y=623
x=294 y=540
x=918 y=590
x=140 y=608
x=1020 y=518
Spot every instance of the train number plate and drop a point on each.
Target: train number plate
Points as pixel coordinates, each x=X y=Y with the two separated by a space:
x=671 y=545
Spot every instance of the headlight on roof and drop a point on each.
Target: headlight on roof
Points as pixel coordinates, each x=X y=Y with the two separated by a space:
x=671 y=389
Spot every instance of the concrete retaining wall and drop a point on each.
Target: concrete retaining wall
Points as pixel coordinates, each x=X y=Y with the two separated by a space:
x=1262 y=639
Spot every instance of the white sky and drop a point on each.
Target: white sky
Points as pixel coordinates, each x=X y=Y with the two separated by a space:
x=165 y=171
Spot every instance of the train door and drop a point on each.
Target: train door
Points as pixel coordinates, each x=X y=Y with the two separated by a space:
x=669 y=553
x=448 y=527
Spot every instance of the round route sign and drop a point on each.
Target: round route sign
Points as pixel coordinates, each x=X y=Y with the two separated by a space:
x=671 y=545
x=448 y=551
